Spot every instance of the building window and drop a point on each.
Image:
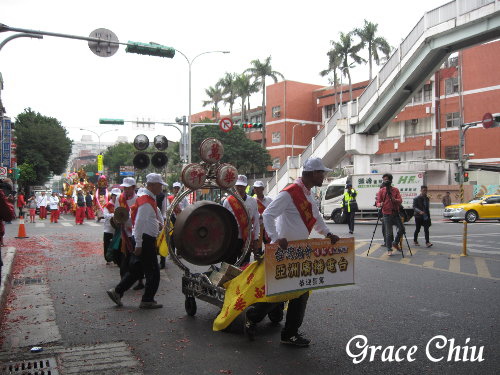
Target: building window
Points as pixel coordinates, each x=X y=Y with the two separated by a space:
x=276 y=137
x=453 y=120
x=427 y=92
x=276 y=163
x=451 y=152
x=397 y=160
x=392 y=130
x=451 y=85
x=329 y=109
x=418 y=97
x=411 y=127
x=452 y=61
x=276 y=111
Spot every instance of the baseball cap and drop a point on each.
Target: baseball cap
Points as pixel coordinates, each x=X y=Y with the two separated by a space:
x=116 y=191
x=128 y=182
x=315 y=164
x=177 y=184
x=242 y=180
x=155 y=178
x=258 y=184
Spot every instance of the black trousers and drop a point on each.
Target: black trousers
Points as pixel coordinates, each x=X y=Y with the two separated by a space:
x=419 y=223
x=106 y=240
x=145 y=264
x=350 y=220
x=294 y=315
x=232 y=258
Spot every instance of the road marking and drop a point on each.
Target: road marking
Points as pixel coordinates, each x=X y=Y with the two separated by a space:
x=66 y=224
x=374 y=247
x=39 y=225
x=482 y=268
x=483 y=251
x=428 y=264
x=92 y=224
x=460 y=244
x=454 y=265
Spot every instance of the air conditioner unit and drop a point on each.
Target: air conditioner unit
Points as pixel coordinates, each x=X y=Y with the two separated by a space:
x=396 y=145
x=427 y=142
x=277 y=114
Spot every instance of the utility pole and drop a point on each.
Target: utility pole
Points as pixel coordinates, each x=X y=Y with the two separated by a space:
x=462 y=129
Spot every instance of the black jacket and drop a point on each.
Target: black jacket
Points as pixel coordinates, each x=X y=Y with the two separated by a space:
x=421 y=203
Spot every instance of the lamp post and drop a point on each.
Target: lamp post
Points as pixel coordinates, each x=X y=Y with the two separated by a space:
x=99 y=136
x=190 y=63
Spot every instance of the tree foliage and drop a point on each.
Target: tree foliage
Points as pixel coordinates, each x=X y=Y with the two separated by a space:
x=42 y=142
x=27 y=175
x=246 y=155
x=373 y=43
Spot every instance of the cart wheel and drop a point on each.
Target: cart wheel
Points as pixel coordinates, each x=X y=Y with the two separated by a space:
x=276 y=315
x=190 y=306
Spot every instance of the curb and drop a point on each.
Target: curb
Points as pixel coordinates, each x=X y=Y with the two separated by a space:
x=5 y=283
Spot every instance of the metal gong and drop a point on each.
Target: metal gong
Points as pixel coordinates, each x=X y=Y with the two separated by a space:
x=205 y=233
x=121 y=215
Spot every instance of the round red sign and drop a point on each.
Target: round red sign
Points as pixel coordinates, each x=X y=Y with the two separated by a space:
x=488 y=120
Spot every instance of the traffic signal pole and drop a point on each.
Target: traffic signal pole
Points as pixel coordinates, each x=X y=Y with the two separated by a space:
x=462 y=129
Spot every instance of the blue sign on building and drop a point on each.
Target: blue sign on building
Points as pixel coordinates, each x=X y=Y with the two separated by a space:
x=5 y=136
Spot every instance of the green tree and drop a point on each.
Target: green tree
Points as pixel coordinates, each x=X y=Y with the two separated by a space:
x=246 y=155
x=244 y=88
x=27 y=175
x=348 y=50
x=227 y=85
x=215 y=95
x=334 y=64
x=43 y=143
x=260 y=71
x=375 y=44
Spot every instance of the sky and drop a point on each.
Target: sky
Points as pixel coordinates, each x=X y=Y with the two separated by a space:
x=62 y=78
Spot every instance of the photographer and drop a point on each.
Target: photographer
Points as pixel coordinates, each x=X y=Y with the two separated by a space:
x=6 y=211
x=350 y=206
x=422 y=216
x=389 y=200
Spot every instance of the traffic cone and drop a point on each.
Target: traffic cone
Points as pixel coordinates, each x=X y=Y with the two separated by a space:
x=22 y=231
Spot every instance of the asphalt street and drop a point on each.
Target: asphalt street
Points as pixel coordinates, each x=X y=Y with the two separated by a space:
x=434 y=299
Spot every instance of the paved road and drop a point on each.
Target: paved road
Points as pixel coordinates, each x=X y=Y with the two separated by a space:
x=396 y=302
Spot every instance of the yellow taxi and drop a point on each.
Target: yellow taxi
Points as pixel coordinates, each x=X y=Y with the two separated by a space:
x=485 y=207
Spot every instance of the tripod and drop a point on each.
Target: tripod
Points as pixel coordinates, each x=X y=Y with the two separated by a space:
x=379 y=215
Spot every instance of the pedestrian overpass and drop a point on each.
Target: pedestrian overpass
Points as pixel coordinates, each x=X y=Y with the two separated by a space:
x=454 y=26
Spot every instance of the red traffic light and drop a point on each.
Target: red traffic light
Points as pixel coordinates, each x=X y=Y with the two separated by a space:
x=10 y=170
x=466 y=174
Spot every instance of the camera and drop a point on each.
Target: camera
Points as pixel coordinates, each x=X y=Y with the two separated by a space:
x=387 y=183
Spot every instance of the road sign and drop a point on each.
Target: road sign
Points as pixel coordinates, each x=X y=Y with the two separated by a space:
x=100 y=164
x=3 y=171
x=127 y=170
x=108 y=44
x=488 y=120
x=226 y=124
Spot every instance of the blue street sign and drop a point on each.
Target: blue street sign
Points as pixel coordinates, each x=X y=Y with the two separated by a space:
x=127 y=173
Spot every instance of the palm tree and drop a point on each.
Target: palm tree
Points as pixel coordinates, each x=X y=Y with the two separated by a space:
x=347 y=50
x=244 y=87
x=334 y=63
x=374 y=43
x=226 y=84
x=215 y=95
x=261 y=70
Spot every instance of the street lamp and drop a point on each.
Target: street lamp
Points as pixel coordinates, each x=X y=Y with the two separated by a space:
x=99 y=136
x=190 y=63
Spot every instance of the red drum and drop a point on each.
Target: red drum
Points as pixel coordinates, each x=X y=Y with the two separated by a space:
x=211 y=150
x=194 y=176
x=226 y=176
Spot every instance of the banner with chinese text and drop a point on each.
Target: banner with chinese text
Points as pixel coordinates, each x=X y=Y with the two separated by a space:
x=309 y=264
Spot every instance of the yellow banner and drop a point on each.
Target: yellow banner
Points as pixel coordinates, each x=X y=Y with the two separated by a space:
x=100 y=164
x=309 y=264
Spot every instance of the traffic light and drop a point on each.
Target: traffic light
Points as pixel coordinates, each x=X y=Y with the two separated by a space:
x=251 y=125
x=111 y=121
x=17 y=173
x=466 y=176
x=158 y=159
x=150 y=49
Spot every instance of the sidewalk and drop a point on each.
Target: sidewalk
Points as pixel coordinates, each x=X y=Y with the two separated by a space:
x=8 y=256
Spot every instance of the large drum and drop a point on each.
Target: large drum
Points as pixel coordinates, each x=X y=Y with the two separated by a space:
x=226 y=176
x=205 y=233
x=211 y=150
x=194 y=176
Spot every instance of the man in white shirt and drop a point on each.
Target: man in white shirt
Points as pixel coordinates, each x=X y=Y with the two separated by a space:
x=147 y=222
x=262 y=203
x=41 y=203
x=54 y=207
x=235 y=207
x=291 y=216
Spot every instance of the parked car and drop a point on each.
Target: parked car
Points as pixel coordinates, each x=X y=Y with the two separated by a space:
x=485 y=207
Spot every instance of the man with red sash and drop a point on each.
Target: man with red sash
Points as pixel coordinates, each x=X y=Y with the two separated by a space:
x=291 y=216
x=262 y=203
x=147 y=222
x=126 y=200
x=234 y=205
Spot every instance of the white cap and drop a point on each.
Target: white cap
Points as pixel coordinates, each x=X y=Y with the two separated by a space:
x=116 y=191
x=242 y=180
x=128 y=182
x=177 y=184
x=77 y=189
x=315 y=164
x=155 y=178
x=258 y=184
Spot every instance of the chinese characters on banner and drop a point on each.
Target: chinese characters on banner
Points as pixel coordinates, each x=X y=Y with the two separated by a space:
x=309 y=264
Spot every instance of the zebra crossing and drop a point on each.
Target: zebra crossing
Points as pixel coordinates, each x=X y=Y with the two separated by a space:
x=479 y=266
x=64 y=223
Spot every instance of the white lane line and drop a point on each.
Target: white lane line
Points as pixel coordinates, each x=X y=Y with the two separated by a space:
x=66 y=224
x=92 y=224
x=460 y=244
x=39 y=225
